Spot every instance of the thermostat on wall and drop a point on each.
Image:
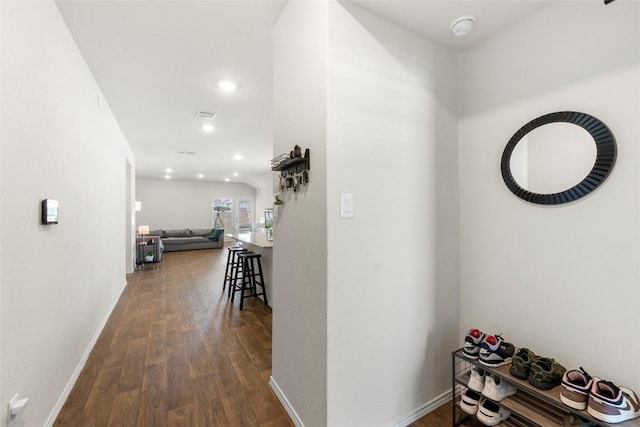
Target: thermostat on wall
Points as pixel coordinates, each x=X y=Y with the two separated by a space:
x=49 y=211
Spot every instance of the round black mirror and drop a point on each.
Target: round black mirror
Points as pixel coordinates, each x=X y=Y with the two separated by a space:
x=605 y=158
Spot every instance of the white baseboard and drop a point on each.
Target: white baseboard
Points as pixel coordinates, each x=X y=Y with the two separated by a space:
x=76 y=373
x=403 y=422
x=285 y=402
x=423 y=410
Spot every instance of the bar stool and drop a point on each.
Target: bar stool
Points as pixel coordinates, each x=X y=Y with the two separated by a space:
x=250 y=279
x=232 y=266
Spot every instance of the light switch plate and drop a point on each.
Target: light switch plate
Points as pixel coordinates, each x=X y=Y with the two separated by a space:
x=346 y=205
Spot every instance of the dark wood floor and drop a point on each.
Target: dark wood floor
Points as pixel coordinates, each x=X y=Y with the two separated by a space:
x=175 y=353
x=441 y=417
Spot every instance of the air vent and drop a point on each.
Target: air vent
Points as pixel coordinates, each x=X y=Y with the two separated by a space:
x=205 y=115
x=187 y=153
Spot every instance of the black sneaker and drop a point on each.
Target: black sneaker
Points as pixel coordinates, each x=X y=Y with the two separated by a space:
x=472 y=342
x=494 y=351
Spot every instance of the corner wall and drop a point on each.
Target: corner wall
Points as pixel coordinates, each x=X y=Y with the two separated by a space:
x=58 y=282
x=362 y=333
x=561 y=280
x=299 y=355
x=392 y=269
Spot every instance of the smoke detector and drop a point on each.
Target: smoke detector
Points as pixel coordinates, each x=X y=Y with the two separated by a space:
x=462 y=25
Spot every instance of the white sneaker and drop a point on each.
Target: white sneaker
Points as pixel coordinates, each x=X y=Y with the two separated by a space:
x=613 y=404
x=469 y=401
x=496 y=389
x=476 y=381
x=489 y=413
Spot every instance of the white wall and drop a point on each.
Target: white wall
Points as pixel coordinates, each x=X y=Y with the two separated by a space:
x=560 y=280
x=264 y=194
x=58 y=282
x=560 y=156
x=174 y=204
x=392 y=269
x=300 y=242
x=389 y=314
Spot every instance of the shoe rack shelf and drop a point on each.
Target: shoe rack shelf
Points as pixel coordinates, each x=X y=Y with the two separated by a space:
x=530 y=406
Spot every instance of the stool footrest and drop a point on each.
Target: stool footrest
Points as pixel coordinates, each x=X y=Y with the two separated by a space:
x=247 y=278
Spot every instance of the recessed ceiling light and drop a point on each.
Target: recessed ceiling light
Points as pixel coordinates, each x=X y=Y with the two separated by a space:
x=462 y=25
x=168 y=170
x=238 y=157
x=227 y=85
x=208 y=127
x=167 y=177
x=226 y=180
x=200 y=176
x=235 y=174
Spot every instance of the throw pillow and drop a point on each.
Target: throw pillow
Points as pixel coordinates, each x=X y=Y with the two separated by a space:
x=215 y=234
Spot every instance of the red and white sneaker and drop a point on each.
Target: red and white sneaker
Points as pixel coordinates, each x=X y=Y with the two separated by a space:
x=494 y=351
x=472 y=342
x=613 y=404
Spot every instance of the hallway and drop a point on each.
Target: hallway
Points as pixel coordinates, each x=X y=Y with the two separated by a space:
x=175 y=353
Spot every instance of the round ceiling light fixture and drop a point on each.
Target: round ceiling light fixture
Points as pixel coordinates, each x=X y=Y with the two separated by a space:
x=227 y=85
x=462 y=25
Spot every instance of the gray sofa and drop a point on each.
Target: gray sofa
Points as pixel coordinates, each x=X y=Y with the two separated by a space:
x=187 y=239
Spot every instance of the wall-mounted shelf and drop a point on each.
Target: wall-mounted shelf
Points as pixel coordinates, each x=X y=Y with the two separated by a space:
x=284 y=162
x=289 y=164
x=293 y=167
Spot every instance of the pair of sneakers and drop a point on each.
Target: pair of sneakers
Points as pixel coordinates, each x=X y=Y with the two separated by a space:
x=603 y=400
x=490 y=386
x=491 y=350
x=488 y=412
x=541 y=372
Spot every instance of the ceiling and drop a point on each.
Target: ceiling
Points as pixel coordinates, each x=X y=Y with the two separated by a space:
x=159 y=62
x=432 y=18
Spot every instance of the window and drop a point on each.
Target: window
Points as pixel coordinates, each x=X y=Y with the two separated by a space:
x=245 y=209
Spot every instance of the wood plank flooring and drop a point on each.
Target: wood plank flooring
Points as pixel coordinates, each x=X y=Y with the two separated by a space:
x=175 y=352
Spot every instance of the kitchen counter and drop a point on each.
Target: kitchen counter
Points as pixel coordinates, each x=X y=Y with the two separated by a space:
x=257 y=239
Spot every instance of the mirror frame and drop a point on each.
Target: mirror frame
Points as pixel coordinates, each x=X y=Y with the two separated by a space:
x=606 y=152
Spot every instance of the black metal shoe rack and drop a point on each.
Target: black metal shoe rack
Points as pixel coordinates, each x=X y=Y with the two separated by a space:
x=530 y=406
